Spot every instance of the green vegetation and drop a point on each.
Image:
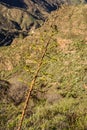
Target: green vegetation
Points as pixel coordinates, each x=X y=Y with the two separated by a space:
x=59 y=98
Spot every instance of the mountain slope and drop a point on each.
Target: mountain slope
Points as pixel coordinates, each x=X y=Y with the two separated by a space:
x=27 y=15
x=59 y=97
x=12 y=26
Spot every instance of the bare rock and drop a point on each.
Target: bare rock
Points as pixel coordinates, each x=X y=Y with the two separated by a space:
x=17 y=92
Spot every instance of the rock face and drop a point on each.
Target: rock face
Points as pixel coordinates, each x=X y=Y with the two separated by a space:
x=28 y=13
x=12 y=92
x=15 y=3
x=4 y=86
x=7 y=30
x=47 y=5
x=24 y=15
